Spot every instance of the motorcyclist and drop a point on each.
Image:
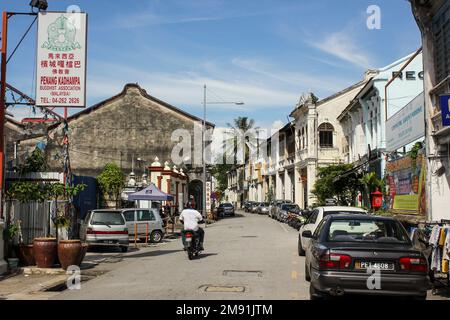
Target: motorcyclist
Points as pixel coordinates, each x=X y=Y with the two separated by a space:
x=190 y=218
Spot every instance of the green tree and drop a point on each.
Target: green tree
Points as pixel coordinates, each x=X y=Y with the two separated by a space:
x=219 y=171
x=35 y=162
x=111 y=182
x=240 y=125
x=338 y=182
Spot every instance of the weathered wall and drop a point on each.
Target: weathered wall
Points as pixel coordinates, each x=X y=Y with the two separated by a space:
x=130 y=124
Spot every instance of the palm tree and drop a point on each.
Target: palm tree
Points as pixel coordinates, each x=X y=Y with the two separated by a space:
x=240 y=126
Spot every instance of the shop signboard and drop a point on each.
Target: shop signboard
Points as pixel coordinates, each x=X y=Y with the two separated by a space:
x=61 y=59
x=405 y=181
x=208 y=196
x=445 y=109
x=407 y=125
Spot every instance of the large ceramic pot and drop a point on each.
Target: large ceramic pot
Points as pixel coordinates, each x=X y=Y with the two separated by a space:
x=26 y=255
x=45 y=252
x=84 y=248
x=69 y=253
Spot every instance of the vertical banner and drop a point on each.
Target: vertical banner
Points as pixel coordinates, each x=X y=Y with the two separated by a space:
x=208 y=197
x=61 y=59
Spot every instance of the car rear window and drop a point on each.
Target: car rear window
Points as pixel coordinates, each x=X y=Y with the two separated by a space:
x=107 y=217
x=366 y=230
x=289 y=207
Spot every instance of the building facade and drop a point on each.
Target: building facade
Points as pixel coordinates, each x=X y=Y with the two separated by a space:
x=319 y=139
x=433 y=19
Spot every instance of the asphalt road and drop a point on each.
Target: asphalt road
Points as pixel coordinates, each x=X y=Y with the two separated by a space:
x=247 y=257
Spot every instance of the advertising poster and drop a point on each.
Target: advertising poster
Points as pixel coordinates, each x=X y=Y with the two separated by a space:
x=405 y=180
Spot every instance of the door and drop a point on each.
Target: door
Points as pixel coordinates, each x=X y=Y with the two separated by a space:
x=309 y=225
x=130 y=219
x=144 y=217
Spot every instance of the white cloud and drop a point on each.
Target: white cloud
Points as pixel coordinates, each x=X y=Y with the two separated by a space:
x=343 y=46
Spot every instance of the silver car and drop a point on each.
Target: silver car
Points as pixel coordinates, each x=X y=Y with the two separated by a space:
x=141 y=221
x=263 y=208
x=105 y=228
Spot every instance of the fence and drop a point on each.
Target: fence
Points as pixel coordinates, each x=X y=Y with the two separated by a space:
x=34 y=217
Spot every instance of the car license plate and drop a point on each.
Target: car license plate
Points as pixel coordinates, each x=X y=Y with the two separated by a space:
x=188 y=239
x=374 y=265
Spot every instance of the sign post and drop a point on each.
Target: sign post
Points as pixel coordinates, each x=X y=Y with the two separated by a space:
x=61 y=59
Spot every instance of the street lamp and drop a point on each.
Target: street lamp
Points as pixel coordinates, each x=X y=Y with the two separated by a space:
x=238 y=103
x=39 y=4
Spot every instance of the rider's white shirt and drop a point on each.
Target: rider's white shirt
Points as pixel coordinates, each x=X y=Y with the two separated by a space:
x=190 y=218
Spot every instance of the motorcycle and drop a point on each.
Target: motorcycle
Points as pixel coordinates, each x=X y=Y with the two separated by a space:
x=191 y=243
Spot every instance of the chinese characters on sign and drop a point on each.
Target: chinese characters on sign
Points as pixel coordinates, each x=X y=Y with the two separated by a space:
x=208 y=197
x=61 y=59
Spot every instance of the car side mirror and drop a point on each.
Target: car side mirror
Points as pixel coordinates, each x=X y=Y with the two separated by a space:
x=307 y=234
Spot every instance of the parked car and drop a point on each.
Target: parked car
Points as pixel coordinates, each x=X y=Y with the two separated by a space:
x=255 y=207
x=314 y=219
x=275 y=207
x=248 y=205
x=345 y=246
x=263 y=208
x=105 y=228
x=285 y=209
x=225 y=209
x=141 y=218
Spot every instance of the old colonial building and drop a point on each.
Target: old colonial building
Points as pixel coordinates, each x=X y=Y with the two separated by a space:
x=319 y=139
x=433 y=19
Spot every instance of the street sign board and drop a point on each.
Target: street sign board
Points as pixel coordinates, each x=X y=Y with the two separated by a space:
x=445 y=109
x=61 y=59
x=406 y=125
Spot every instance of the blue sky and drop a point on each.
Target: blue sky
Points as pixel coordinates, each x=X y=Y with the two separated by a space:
x=264 y=53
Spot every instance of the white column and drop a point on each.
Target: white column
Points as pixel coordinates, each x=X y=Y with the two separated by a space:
x=298 y=187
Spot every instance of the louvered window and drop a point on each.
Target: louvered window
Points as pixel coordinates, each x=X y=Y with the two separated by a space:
x=441 y=32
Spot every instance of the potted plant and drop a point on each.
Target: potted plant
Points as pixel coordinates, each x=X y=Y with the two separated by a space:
x=8 y=235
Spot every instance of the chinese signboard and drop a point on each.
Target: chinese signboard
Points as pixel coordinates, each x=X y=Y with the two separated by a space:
x=445 y=109
x=61 y=59
x=406 y=125
x=405 y=181
x=208 y=197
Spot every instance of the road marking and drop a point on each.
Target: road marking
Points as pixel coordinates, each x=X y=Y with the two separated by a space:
x=294 y=275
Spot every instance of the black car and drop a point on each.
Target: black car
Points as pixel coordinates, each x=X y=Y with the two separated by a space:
x=364 y=255
x=225 y=209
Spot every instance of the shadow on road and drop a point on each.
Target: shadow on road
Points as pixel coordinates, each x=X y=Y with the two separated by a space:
x=206 y=255
x=151 y=254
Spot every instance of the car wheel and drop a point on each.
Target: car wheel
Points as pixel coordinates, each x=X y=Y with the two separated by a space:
x=307 y=274
x=301 y=252
x=156 y=236
x=124 y=249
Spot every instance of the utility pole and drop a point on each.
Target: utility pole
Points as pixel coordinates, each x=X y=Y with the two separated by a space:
x=203 y=154
x=3 y=105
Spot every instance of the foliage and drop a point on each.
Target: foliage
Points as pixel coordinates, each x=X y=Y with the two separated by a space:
x=219 y=171
x=10 y=232
x=414 y=152
x=331 y=183
x=25 y=191
x=240 y=124
x=61 y=221
x=371 y=182
x=35 y=162
x=111 y=180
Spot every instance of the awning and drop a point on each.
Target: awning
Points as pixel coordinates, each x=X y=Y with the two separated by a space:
x=151 y=193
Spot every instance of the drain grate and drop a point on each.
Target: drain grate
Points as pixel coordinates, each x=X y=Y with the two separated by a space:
x=211 y=288
x=243 y=273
